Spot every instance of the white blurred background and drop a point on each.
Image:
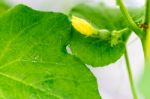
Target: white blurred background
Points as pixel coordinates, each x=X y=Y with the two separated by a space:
x=113 y=79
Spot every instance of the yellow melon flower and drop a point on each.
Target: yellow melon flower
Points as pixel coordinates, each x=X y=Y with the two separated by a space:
x=83 y=26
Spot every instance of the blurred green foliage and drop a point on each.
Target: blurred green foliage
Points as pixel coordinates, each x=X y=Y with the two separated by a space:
x=145 y=82
x=3 y=6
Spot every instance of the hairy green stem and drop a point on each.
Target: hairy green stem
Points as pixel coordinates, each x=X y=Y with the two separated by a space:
x=144 y=48
x=130 y=75
x=124 y=30
x=147 y=12
x=147 y=24
x=131 y=22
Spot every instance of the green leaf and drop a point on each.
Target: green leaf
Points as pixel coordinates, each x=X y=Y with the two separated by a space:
x=34 y=63
x=94 y=51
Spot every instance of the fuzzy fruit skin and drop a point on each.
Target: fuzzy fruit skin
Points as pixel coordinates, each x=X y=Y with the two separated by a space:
x=104 y=34
x=83 y=26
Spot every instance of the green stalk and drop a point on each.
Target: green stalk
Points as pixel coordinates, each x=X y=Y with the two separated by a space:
x=147 y=12
x=144 y=48
x=147 y=23
x=130 y=75
x=131 y=22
